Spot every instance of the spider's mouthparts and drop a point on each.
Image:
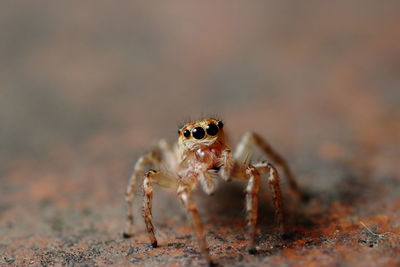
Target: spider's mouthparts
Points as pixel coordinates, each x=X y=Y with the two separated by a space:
x=216 y=168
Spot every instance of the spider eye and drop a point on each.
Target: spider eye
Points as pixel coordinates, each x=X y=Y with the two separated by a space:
x=220 y=124
x=212 y=129
x=186 y=133
x=198 y=133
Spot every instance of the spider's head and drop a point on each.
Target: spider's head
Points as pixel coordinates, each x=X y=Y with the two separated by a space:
x=206 y=132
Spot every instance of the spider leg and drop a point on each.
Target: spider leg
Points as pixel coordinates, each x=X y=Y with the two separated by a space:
x=251 y=140
x=273 y=180
x=252 y=189
x=147 y=207
x=168 y=153
x=207 y=183
x=152 y=158
x=163 y=180
x=252 y=174
x=227 y=165
x=149 y=158
x=198 y=228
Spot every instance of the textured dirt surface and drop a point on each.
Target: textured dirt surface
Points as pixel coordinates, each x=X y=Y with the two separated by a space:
x=86 y=90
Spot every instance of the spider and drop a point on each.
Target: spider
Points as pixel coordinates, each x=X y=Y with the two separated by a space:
x=200 y=154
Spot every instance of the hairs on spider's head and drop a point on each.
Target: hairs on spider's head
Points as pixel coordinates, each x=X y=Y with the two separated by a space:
x=201 y=132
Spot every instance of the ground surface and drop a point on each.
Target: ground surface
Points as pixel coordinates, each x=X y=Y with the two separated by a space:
x=89 y=89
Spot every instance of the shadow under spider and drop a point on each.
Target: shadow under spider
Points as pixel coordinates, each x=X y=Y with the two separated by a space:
x=227 y=205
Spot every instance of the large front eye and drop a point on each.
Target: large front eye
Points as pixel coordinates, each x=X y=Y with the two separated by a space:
x=198 y=133
x=186 y=133
x=212 y=129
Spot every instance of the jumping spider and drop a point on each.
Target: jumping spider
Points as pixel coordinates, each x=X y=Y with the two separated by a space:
x=200 y=154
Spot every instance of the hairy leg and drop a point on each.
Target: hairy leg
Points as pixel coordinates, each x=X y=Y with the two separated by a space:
x=252 y=189
x=227 y=165
x=140 y=165
x=147 y=206
x=273 y=180
x=163 y=180
x=252 y=173
x=190 y=207
x=207 y=183
x=168 y=154
x=163 y=149
x=251 y=140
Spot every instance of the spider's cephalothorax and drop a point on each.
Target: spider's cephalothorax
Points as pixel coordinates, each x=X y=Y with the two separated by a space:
x=201 y=151
x=199 y=155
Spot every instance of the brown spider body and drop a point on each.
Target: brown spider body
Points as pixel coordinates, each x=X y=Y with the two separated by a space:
x=199 y=156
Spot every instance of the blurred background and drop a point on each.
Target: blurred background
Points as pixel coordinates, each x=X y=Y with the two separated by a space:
x=86 y=87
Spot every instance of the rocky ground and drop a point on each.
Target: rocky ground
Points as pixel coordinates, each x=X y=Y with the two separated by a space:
x=89 y=89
